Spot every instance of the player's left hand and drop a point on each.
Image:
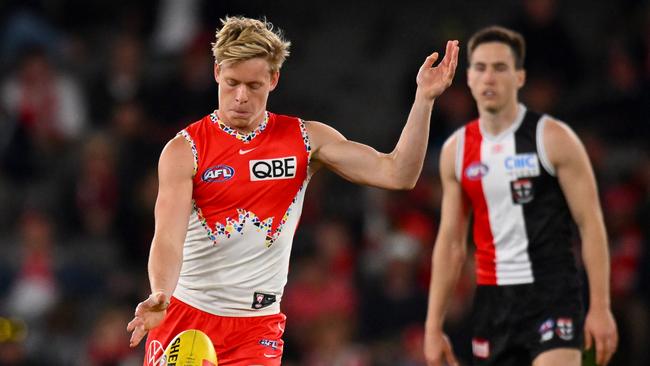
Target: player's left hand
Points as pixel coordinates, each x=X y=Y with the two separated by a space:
x=601 y=332
x=432 y=81
x=148 y=315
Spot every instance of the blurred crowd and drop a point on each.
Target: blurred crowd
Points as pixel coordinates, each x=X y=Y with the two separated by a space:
x=89 y=95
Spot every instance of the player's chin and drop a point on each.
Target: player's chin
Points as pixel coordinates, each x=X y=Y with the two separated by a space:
x=491 y=106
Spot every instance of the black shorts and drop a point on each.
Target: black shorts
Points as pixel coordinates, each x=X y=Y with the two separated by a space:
x=514 y=324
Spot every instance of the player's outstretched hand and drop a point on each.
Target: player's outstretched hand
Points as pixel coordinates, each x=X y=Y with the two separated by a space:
x=148 y=315
x=438 y=350
x=432 y=81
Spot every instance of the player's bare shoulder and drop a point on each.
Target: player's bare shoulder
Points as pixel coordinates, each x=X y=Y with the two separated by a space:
x=561 y=143
x=448 y=156
x=321 y=134
x=177 y=158
x=554 y=129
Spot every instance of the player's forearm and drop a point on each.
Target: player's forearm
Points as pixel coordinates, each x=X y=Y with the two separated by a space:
x=409 y=153
x=447 y=263
x=165 y=260
x=595 y=256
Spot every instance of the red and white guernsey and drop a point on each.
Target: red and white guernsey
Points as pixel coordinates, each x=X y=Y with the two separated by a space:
x=248 y=193
x=522 y=225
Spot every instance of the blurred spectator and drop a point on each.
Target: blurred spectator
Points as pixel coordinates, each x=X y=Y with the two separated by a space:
x=412 y=343
x=393 y=300
x=45 y=111
x=134 y=150
x=13 y=353
x=314 y=292
x=35 y=289
x=335 y=249
x=187 y=94
x=108 y=343
x=330 y=343
x=543 y=29
x=96 y=192
x=176 y=24
x=23 y=27
x=619 y=110
x=542 y=93
x=121 y=81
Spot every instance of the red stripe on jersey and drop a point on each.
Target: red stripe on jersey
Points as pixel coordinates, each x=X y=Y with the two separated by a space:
x=471 y=181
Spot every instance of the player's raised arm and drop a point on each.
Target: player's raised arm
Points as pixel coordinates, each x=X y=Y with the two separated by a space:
x=401 y=168
x=173 y=207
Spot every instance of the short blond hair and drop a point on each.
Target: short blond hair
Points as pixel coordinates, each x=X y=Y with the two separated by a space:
x=241 y=39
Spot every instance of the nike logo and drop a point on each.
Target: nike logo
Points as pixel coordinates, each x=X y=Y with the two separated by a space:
x=242 y=151
x=270 y=356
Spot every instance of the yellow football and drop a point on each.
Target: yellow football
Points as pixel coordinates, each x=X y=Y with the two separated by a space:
x=190 y=348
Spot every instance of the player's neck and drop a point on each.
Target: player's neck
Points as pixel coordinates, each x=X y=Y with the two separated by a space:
x=242 y=127
x=495 y=122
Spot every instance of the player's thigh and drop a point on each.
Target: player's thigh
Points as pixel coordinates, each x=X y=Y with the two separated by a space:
x=559 y=356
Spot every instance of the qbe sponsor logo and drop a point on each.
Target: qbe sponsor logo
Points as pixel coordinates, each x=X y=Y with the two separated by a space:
x=271 y=169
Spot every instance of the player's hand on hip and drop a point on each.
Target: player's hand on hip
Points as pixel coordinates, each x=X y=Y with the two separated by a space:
x=148 y=315
x=432 y=81
x=601 y=332
x=438 y=350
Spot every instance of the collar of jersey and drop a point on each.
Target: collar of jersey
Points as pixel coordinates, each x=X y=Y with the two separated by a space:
x=236 y=134
x=521 y=112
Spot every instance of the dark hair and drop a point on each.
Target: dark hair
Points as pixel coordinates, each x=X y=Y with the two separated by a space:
x=499 y=34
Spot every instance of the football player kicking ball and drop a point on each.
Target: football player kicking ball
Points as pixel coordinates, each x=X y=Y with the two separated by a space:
x=231 y=187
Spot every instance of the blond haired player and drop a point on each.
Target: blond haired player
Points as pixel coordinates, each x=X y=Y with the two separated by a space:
x=231 y=187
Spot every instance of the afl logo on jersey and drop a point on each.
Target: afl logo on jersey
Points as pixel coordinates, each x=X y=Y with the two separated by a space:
x=219 y=173
x=476 y=171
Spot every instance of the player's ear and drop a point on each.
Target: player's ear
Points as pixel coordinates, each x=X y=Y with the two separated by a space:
x=217 y=70
x=521 y=77
x=275 y=77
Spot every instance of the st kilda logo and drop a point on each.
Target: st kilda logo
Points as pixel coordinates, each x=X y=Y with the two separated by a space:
x=269 y=169
x=522 y=191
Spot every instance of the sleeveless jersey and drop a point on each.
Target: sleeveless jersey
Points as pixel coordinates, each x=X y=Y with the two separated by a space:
x=521 y=221
x=247 y=195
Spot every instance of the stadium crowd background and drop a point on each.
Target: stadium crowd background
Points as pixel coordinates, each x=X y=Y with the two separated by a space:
x=89 y=94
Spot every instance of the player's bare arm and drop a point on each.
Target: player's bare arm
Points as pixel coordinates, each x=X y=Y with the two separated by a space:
x=571 y=163
x=449 y=255
x=401 y=168
x=172 y=211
